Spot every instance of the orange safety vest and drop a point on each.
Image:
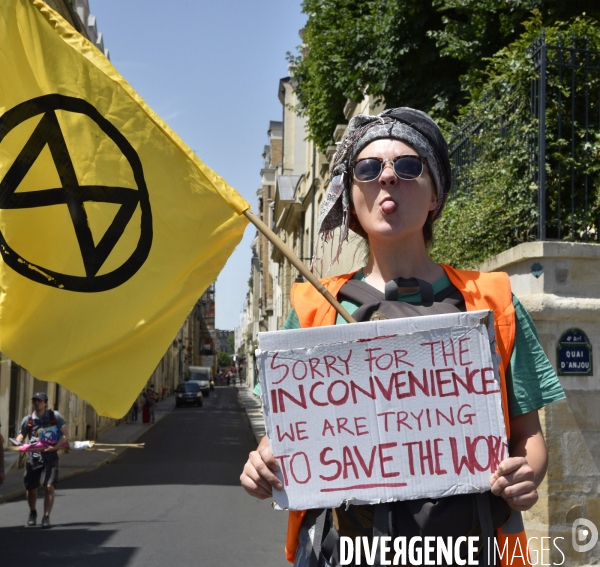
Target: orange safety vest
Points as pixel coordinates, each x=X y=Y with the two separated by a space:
x=480 y=291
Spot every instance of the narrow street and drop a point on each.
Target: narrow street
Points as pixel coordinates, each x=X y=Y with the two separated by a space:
x=176 y=503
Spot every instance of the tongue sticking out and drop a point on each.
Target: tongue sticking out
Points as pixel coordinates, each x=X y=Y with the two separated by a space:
x=388 y=207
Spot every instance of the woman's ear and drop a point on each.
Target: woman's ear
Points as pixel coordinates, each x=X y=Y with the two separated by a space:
x=433 y=201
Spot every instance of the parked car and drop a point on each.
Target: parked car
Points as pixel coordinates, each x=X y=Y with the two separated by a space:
x=202 y=375
x=188 y=393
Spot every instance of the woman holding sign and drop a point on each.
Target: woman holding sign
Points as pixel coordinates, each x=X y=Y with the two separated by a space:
x=389 y=182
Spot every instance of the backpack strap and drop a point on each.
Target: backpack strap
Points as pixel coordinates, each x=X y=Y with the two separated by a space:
x=52 y=417
x=484 y=512
x=330 y=548
x=381 y=520
x=360 y=292
x=320 y=526
x=30 y=425
x=391 y=289
x=381 y=523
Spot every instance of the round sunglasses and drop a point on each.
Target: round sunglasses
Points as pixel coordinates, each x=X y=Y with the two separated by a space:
x=405 y=167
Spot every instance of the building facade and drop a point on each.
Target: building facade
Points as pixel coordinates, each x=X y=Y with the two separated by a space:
x=223 y=341
x=293 y=181
x=77 y=13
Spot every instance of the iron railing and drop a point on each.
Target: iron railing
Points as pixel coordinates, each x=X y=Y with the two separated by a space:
x=563 y=121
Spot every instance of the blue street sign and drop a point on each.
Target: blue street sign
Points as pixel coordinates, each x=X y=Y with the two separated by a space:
x=574 y=354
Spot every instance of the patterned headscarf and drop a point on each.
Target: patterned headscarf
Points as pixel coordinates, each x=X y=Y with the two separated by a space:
x=405 y=124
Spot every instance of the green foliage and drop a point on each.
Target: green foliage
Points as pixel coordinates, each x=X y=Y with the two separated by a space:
x=231 y=342
x=497 y=207
x=474 y=30
x=379 y=47
x=225 y=359
x=427 y=54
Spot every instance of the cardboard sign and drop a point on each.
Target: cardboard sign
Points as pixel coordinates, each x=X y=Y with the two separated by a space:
x=385 y=410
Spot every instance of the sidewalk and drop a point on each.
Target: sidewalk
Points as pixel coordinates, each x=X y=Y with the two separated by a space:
x=77 y=462
x=253 y=409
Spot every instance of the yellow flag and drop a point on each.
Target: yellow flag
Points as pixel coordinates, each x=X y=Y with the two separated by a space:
x=110 y=227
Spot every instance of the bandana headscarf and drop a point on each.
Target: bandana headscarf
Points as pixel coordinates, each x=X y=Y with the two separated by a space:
x=405 y=124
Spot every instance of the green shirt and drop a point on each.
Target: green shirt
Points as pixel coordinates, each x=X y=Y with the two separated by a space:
x=533 y=382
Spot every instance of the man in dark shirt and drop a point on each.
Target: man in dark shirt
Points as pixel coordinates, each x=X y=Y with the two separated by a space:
x=42 y=467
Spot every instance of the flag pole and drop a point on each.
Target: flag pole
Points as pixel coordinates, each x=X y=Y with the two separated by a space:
x=297 y=263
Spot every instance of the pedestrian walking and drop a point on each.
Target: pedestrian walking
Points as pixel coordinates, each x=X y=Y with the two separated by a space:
x=2 y=469
x=41 y=468
x=228 y=377
x=135 y=408
x=150 y=400
x=389 y=181
x=146 y=405
x=154 y=400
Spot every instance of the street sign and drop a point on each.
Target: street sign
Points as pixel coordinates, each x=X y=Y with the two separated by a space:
x=574 y=354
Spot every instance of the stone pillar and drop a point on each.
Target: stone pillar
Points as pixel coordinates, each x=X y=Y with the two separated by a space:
x=559 y=284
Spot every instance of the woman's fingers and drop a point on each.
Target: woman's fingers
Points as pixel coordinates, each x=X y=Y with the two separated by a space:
x=523 y=501
x=258 y=478
x=508 y=466
x=266 y=455
x=511 y=471
x=514 y=481
x=253 y=483
x=265 y=467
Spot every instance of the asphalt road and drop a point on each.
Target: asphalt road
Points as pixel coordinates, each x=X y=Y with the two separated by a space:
x=176 y=503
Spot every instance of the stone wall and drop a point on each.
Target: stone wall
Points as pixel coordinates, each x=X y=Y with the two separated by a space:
x=559 y=284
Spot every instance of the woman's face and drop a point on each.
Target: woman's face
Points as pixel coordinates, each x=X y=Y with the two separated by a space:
x=390 y=207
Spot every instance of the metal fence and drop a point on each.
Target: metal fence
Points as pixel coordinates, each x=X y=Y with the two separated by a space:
x=563 y=121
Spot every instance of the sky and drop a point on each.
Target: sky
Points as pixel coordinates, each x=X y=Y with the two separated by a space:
x=211 y=70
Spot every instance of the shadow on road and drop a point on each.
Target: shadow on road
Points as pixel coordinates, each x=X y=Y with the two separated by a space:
x=61 y=548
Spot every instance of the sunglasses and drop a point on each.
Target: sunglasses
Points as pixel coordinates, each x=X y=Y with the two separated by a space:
x=405 y=167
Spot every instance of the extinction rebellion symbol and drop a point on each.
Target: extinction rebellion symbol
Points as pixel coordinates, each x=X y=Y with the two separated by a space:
x=73 y=196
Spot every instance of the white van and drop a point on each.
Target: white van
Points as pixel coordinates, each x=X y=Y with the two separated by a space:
x=203 y=376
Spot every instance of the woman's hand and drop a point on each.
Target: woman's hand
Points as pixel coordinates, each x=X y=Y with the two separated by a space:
x=514 y=480
x=518 y=477
x=258 y=478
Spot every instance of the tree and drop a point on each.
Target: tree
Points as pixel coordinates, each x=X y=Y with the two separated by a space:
x=225 y=359
x=379 y=47
x=427 y=54
x=475 y=30
x=499 y=208
x=231 y=343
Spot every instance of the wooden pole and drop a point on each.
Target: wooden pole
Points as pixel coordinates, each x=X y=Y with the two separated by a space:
x=297 y=263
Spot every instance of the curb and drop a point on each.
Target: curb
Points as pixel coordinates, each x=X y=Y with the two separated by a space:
x=253 y=409
x=77 y=472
